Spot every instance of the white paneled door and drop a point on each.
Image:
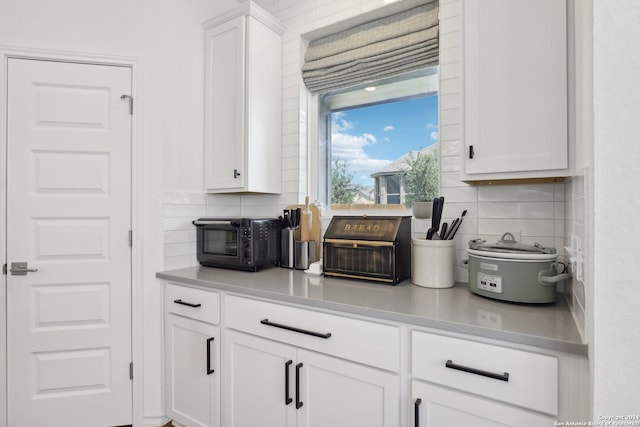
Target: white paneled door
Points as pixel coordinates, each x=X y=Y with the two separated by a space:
x=69 y=216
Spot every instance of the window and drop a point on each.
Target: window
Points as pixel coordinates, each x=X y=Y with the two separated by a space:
x=378 y=143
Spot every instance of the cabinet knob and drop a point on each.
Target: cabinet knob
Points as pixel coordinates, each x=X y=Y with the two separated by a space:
x=236 y=174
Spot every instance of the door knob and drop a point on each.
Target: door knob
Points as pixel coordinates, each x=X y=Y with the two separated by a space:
x=21 y=269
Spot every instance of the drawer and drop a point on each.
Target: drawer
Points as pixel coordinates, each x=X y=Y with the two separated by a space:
x=193 y=303
x=362 y=341
x=513 y=376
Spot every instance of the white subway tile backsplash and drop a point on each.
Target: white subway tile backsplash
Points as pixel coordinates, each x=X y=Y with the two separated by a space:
x=179 y=249
x=449 y=86
x=451 y=116
x=526 y=227
x=449 y=10
x=450 y=144
x=184 y=223
x=180 y=236
x=450 y=179
x=223 y=211
x=174 y=210
x=450 y=101
x=523 y=210
x=184 y=198
x=466 y=194
x=523 y=193
x=560 y=191
x=183 y=261
x=450 y=164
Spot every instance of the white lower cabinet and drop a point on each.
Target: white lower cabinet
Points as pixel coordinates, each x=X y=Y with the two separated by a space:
x=436 y=406
x=192 y=357
x=457 y=382
x=234 y=361
x=268 y=383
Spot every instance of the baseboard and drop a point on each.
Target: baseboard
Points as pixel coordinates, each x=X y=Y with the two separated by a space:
x=158 y=421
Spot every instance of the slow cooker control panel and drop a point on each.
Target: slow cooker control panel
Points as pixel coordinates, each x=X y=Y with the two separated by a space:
x=490 y=283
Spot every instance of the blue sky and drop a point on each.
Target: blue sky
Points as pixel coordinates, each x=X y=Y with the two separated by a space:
x=369 y=138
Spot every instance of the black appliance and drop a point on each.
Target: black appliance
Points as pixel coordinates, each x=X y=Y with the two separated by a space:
x=238 y=243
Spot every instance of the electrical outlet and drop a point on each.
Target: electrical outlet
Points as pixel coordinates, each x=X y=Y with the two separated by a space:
x=579 y=257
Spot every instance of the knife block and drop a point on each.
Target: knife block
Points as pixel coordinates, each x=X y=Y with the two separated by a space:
x=298 y=254
x=315 y=227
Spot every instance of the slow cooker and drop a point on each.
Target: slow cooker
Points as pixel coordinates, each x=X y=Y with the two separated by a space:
x=511 y=271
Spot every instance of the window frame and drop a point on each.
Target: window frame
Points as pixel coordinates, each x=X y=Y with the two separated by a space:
x=318 y=156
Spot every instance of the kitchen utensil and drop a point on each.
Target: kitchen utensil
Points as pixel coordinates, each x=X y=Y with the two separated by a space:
x=454 y=230
x=287 y=218
x=438 y=205
x=305 y=221
x=511 y=271
x=443 y=231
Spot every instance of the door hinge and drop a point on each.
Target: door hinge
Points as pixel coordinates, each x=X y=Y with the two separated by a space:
x=130 y=98
x=4 y=269
x=130 y=238
x=131 y=370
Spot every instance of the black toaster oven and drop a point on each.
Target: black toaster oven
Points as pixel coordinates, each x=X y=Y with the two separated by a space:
x=238 y=243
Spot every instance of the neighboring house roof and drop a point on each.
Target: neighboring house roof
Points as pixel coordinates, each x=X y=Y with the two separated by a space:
x=364 y=195
x=396 y=166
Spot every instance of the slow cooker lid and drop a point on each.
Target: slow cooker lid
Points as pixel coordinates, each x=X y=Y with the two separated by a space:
x=509 y=245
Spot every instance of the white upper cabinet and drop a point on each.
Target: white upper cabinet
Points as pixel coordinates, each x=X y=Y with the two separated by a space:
x=515 y=89
x=243 y=102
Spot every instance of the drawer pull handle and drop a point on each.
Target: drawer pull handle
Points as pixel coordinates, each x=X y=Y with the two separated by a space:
x=298 y=401
x=287 y=397
x=179 y=301
x=416 y=412
x=209 y=370
x=501 y=377
x=294 y=329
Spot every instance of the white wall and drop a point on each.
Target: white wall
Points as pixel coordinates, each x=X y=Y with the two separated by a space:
x=166 y=37
x=616 y=199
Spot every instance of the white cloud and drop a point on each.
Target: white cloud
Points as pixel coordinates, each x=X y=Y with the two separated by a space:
x=388 y=128
x=371 y=138
x=350 y=149
x=434 y=135
x=338 y=124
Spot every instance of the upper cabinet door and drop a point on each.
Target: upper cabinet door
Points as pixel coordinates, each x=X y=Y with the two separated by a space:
x=243 y=107
x=515 y=89
x=225 y=105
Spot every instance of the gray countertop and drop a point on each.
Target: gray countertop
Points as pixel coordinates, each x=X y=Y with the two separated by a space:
x=549 y=326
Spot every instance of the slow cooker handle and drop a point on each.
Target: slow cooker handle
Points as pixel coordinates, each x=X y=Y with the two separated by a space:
x=550 y=278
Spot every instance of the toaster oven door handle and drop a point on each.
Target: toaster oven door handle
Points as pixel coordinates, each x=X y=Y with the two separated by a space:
x=294 y=329
x=210 y=222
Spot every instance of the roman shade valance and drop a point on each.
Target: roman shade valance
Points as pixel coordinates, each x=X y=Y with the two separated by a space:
x=383 y=47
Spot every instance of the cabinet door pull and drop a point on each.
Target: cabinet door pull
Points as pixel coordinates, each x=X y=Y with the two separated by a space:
x=298 y=401
x=179 y=301
x=236 y=174
x=294 y=329
x=416 y=412
x=471 y=152
x=287 y=397
x=501 y=377
x=209 y=370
